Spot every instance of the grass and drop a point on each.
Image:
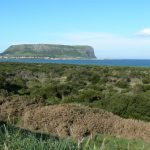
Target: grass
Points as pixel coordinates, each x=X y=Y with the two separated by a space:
x=16 y=140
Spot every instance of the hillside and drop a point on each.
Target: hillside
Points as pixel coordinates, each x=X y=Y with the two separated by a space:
x=125 y=91
x=76 y=101
x=49 y=50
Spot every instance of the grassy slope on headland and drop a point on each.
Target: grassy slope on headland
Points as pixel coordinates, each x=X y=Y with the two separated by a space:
x=49 y=50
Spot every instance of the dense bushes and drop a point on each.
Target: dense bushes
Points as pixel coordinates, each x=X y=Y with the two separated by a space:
x=122 y=84
x=122 y=90
x=129 y=106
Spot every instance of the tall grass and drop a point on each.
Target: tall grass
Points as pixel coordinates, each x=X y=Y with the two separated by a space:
x=16 y=140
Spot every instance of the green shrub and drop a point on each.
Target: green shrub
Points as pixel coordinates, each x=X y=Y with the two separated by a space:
x=122 y=84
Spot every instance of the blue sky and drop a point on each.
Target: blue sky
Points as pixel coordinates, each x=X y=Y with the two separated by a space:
x=115 y=28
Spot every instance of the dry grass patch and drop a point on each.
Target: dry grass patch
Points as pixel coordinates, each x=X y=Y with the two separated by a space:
x=79 y=121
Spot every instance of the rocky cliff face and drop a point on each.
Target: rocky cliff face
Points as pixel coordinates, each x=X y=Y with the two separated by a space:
x=49 y=50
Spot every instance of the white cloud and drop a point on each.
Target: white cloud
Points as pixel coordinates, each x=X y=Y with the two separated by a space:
x=145 y=32
x=101 y=40
x=107 y=45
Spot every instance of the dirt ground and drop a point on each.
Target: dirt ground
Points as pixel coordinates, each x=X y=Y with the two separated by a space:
x=71 y=120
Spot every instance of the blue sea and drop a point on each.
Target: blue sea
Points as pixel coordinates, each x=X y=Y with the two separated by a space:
x=113 y=62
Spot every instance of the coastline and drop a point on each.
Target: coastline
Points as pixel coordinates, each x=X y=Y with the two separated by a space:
x=49 y=58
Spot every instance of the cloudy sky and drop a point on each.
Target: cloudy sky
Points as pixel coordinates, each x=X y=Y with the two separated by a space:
x=115 y=28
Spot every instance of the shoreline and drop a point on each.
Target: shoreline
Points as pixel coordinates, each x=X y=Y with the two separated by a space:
x=48 y=58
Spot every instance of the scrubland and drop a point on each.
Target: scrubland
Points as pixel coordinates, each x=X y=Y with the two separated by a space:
x=86 y=107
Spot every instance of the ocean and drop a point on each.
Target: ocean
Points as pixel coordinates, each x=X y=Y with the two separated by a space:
x=113 y=62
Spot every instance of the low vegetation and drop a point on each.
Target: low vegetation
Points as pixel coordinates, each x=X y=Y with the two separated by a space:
x=77 y=92
x=13 y=139
x=124 y=91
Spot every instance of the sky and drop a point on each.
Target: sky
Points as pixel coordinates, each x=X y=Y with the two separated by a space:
x=117 y=29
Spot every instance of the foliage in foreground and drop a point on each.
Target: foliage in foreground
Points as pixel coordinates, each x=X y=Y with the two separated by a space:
x=14 y=139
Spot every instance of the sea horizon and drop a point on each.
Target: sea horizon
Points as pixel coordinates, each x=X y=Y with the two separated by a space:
x=98 y=62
